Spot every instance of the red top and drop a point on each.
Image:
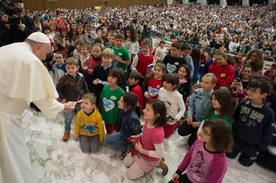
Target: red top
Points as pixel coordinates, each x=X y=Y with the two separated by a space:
x=225 y=73
x=92 y=63
x=138 y=91
x=143 y=62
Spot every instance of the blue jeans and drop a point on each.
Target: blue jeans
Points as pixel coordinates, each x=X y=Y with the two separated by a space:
x=69 y=116
x=114 y=141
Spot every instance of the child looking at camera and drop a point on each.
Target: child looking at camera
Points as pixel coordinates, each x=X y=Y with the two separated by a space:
x=89 y=127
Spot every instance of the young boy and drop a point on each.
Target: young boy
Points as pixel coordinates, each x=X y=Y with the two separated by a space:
x=121 y=59
x=142 y=60
x=71 y=87
x=252 y=126
x=59 y=66
x=173 y=60
x=185 y=52
x=110 y=96
x=89 y=127
x=199 y=102
x=111 y=41
x=160 y=52
x=133 y=82
x=99 y=75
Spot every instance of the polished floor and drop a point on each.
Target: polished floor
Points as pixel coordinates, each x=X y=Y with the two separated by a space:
x=55 y=161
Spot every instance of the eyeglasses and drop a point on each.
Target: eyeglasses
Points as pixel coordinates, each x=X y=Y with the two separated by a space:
x=204 y=132
x=59 y=57
x=253 y=90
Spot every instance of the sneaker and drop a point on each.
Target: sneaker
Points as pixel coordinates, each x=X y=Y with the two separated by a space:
x=66 y=136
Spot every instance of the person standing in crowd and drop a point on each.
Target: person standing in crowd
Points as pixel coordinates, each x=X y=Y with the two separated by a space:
x=15 y=28
x=32 y=84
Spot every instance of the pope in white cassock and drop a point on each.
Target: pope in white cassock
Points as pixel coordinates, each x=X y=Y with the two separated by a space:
x=23 y=79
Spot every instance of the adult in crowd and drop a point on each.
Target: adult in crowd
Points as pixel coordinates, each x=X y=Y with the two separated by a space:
x=16 y=27
x=26 y=79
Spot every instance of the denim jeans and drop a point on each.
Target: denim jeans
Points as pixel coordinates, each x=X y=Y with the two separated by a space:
x=69 y=116
x=113 y=140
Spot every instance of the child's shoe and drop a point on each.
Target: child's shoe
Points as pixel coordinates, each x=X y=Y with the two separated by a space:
x=164 y=167
x=66 y=136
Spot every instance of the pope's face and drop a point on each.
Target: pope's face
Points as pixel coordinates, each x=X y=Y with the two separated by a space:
x=42 y=50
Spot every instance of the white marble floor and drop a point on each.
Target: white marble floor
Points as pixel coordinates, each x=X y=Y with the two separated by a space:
x=55 y=161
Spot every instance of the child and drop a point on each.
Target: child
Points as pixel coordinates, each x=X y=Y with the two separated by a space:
x=131 y=41
x=220 y=108
x=89 y=127
x=71 y=87
x=252 y=123
x=175 y=107
x=129 y=124
x=142 y=60
x=173 y=59
x=160 y=52
x=239 y=85
x=94 y=60
x=185 y=81
x=111 y=40
x=153 y=81
x=84 y=57
x=59 y=66
x=122 y=58
x=224 y=71
x=199 y=103
x=206 y=160
x=100 y=72
x=185 y=52
x=110 y=96
x=149 y=144
x=256 y=60
x=77 y=50
x=133 y=82
x=239 y=64
x=271 y=73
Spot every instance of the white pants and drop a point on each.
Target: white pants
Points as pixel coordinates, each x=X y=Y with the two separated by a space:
x=15 y=166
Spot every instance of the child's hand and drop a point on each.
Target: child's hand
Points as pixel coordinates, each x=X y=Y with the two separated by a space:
x=96 y=81
x=138 y=146
x=248 y=61
x=76 y=138
x=116 y=58
x=147 y=95
x=194 y=124
x=101 y=142
x=133 y=138
x=189 y=119
x=175 y=177
x=63 y=101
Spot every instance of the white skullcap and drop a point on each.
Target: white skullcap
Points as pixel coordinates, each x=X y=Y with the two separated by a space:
x=39 y=37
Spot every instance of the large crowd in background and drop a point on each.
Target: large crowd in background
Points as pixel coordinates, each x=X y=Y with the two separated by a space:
x=104 y=60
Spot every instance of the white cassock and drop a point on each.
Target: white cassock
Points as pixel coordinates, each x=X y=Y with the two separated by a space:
x=23 y=79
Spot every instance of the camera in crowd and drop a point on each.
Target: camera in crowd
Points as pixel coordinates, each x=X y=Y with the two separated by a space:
x=7 y=8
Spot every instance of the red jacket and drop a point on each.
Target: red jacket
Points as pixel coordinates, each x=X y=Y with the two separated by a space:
x=225 y=73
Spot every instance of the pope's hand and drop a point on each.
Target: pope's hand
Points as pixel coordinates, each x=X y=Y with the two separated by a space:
x=69 y=106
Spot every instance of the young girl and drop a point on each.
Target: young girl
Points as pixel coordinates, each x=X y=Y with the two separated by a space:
x=206 y=159
x=255 y=59
x=131 y=40
x=153 y=81
x=185 y=81
x=129 y=124
x=110 y=96
x=224 y=71
x=84 y=57
x=175 y=107
x=239 y=85
x=148 y=145
x=220 y=108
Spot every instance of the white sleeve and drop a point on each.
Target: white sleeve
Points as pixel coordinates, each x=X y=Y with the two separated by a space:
x=159 y=151
x=49 y=107
x=134 y=63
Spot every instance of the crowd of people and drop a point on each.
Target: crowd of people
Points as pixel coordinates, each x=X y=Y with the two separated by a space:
x=106 y=72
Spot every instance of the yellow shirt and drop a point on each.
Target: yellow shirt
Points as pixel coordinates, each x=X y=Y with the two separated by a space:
x=89 y=125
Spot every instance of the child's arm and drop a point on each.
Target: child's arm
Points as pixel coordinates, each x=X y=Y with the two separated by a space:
x=158 y=153
x=218 y=169
x=60 y=86
x=181 y=109
x=100 y=127
x=77 y=127
x=124 y=62
x=134 y=63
